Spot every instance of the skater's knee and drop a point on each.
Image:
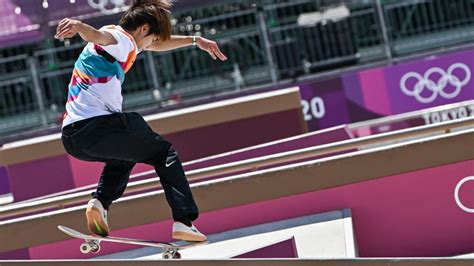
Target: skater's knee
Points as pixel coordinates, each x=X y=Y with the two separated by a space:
x=171 y=157
x=166 y=157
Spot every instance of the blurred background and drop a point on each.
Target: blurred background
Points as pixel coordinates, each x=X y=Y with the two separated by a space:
x=270 y=44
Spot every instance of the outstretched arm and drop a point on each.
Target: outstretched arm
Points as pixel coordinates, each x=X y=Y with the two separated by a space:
x=67 y=28
x=177 y=41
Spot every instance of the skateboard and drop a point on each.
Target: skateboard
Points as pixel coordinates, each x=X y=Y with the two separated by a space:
x=92 y=243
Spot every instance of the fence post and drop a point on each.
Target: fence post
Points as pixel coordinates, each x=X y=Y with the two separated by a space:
x=383 y=28
x=37 y=90
x=267 y=44
x=152 y=68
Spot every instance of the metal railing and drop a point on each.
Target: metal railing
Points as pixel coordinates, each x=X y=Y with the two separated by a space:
x=444 y=22
x=267 y=41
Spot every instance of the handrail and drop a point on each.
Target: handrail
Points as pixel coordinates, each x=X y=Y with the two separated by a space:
x=13 y=58
x=245 y=165
x=410 y=115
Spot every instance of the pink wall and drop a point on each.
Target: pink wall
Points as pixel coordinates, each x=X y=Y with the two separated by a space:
x=86 y=173
x=206 y=141
x=312 y=139
x=408 y=215
x=41 y=177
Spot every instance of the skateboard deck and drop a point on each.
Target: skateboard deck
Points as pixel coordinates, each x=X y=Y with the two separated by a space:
x=92 y=243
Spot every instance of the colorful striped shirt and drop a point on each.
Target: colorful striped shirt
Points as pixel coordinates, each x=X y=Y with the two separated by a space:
x=95 y=88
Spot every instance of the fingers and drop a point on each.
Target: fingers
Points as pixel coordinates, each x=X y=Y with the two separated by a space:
x=61 y=27
x=213 y=55
x=65 y=29
x=69 y=35
x=217 y=52
x=64 y=33
x=62 y=23
x=212 y=48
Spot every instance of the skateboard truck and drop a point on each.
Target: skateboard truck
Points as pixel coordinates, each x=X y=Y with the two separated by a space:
x=90 y=246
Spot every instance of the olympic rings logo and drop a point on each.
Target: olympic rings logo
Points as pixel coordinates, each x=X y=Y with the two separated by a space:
x=102 y=5
x=456 y=194
x=438 y=87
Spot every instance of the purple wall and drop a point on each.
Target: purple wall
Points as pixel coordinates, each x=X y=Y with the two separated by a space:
x=4 y=183
x=373 y=93
x=285 y=249
x=23 y=27
x=57 y=9
x=299 y=142
x=41 y=177
x=206 y=141
x=15 y=28
x=15 y=255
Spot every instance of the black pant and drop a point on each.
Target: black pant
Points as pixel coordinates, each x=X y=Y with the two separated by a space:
x=120 y=141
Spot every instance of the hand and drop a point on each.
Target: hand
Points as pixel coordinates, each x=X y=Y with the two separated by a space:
x=67 y=28
x=211 y=47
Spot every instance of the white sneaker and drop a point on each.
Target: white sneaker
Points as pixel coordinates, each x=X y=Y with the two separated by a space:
x=186 y=233
x=97 y=218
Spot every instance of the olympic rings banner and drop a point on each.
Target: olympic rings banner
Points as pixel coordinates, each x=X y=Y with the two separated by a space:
x=377 y=92
x=432 y=82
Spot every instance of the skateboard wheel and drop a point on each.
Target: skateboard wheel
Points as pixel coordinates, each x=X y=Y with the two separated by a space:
x=167 y=255
x=177 y=255
x=85 y=248
x=95 y=249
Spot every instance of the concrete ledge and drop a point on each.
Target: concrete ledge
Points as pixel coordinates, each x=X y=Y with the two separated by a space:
x=225 y=111
x=246 y=262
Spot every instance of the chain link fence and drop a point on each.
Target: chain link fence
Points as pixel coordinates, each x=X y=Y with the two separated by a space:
x=267 y=41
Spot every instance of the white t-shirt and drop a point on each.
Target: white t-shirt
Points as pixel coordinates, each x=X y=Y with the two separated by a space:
x=96 y=84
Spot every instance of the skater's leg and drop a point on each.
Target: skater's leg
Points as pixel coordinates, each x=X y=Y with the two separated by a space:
x=113 y=181
x=129 y=138
x=176 y=186
x=112 y=184
x=179 y=197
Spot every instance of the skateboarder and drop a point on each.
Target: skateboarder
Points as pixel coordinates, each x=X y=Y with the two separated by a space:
x=95 y=128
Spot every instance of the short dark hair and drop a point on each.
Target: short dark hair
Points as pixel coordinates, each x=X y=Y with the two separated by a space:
x=155 y=13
